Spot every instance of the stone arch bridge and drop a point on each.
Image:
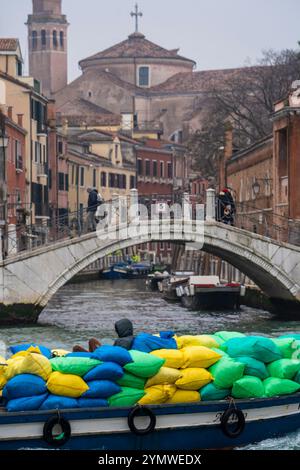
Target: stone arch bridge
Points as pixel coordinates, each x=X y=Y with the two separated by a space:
x=29 y=280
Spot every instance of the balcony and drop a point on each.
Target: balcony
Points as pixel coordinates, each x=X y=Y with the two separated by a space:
x=42 y=170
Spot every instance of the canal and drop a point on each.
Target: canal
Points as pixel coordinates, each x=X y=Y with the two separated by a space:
x=81 y=311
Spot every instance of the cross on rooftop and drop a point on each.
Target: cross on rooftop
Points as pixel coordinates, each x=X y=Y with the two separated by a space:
x=136 y=13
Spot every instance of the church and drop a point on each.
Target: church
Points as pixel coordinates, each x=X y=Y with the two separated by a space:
x=136 y=82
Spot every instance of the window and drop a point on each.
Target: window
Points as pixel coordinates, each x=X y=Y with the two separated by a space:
x=49 y=178
x=73 y=174
x=132 y=182
x=19 y=68
x=37 y=157
x=162 y=169
x=111 y=180
x=34 y=40
x=61 y=39
x=61 y=181
x=170 y=172
x=44 y=39
x=81 y=176
x=60 y=147
x=94 y=178
x=66 y=182
x=148 y=172
x=55 y=42
x=103 y=179
x=124 y=181
x=144 y=76
x=116 y=152
x=140 y=166
x=154 y=168
x=18 y=155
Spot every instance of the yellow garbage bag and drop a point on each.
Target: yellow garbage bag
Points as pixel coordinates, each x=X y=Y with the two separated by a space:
x=193 y=379
x=14 y=367
x=3 y=364
x=199 y=356
x=66 y=385
x=184 y=396
x=166 y=375
x=3 y=381
x=198 y=340
x=158 y=394
x=36 y=364
x=173 y=357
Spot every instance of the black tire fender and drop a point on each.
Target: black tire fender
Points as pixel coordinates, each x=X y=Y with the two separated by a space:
x=233 y=430
x=141 y=411
x=61 y=439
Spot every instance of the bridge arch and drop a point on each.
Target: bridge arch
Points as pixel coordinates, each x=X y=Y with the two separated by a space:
x=29 y=280
x=250 y=253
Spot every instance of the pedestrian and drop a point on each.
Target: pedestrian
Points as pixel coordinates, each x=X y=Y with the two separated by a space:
x=93 y=203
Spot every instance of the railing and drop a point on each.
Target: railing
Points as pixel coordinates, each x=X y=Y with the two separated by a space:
x=267 y=223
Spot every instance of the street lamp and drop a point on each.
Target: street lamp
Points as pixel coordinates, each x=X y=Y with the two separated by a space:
x=256 y=186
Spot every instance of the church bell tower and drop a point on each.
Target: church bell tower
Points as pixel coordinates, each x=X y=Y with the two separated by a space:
x=47 y=41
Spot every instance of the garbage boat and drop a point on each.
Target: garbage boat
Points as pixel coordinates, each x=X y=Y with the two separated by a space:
x=210 y=425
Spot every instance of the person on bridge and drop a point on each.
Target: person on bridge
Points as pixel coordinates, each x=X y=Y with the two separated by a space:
x=94 y=201
x=226 y=207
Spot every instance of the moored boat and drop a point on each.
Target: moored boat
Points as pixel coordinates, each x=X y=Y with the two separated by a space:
x=204 y=425
x=123 y=270
x=208 y=293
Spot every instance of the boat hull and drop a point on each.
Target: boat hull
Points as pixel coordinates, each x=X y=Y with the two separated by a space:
x=178 y=427
x=212 y=301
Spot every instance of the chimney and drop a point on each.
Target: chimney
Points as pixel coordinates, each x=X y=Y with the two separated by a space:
x=20 y=119
x=10 y=112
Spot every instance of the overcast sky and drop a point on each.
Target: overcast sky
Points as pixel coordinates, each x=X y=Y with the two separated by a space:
x=215 y=33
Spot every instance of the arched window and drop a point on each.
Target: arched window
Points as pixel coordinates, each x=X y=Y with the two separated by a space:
x=144 y=76
x=44 y=39
x=55 y=43
x=61 y=39
x=34 y=39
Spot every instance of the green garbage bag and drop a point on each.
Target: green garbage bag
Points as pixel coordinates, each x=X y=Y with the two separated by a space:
x=211 y=392
x=275 y=387
x=74 y=365
x=248 y=387
x=144 y=364
x=226 y=335
x=132 y=381
x=287 y=346
x=284 y=368
x=260 y=348
x=254 y=367
x=297 y=378
x=126 y=398
x=226 y=371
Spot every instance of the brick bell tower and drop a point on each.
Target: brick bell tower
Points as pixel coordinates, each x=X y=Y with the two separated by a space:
x=47 y=40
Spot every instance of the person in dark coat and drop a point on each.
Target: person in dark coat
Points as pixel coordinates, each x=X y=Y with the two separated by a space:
x=93 y=203
x=124 y=330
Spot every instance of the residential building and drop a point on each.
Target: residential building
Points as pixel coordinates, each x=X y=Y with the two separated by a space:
x=21 y=96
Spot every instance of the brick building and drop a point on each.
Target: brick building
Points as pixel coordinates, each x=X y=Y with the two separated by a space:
x=265 y=177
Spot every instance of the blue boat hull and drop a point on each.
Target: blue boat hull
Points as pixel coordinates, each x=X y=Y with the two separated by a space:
x=178 y=427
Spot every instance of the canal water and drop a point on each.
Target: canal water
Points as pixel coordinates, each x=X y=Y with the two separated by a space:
x=82 y=311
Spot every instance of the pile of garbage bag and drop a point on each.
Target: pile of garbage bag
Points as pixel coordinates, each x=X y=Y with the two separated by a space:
x=161 y=369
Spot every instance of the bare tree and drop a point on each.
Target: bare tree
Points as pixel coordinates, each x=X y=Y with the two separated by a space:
x=246 y=97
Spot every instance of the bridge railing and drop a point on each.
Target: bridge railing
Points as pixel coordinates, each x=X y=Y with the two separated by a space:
x=23 y=237
x=267 y=223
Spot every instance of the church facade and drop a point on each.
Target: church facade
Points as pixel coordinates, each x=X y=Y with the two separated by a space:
x=157 y=87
